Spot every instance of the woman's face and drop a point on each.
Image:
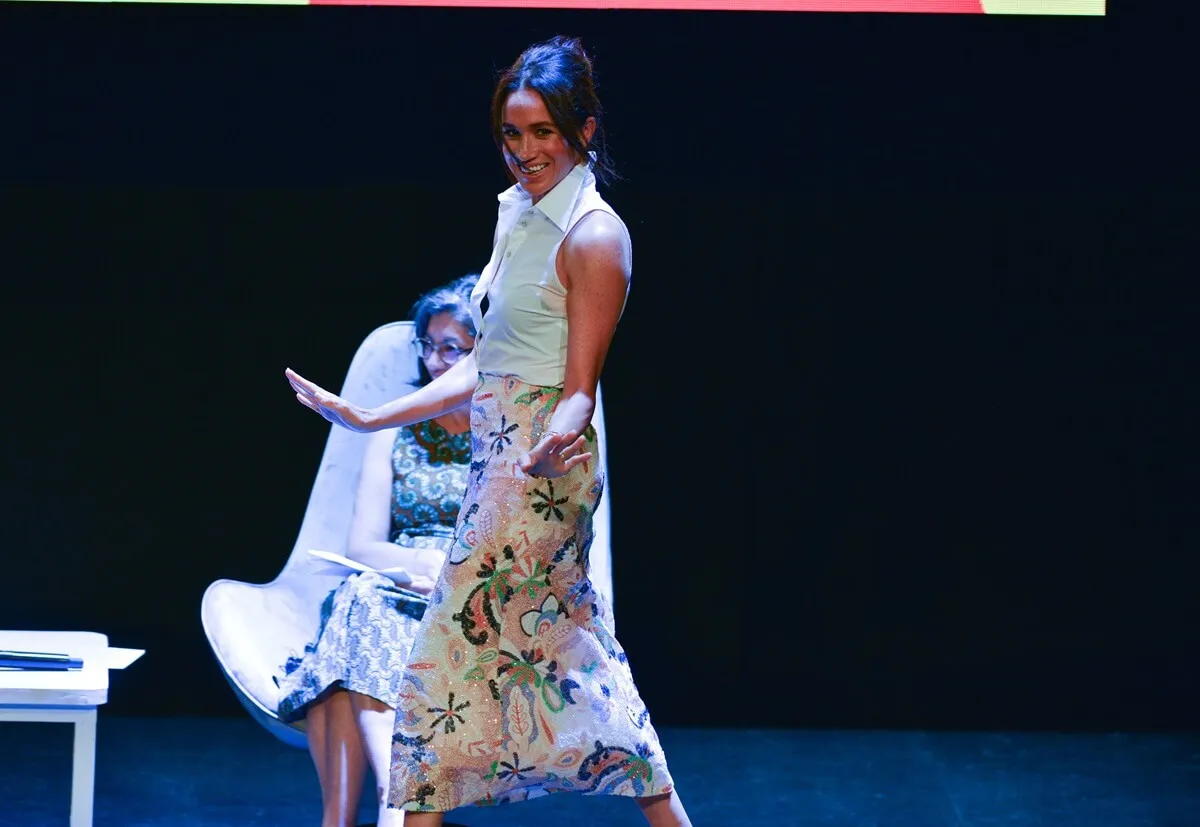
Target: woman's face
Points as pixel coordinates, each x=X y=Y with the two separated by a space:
x=536 y=152
x=445 y=342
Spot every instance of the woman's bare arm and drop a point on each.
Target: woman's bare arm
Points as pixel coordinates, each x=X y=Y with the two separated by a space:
x=369 y=528
x=596 y=267
x=448 y=392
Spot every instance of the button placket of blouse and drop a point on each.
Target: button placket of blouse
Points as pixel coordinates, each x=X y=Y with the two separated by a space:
x=517 y=237
x=505 y=240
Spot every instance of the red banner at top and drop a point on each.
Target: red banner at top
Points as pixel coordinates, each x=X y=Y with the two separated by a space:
x=926 y=6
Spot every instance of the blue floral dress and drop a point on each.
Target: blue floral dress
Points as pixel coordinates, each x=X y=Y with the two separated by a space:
x=368 y=623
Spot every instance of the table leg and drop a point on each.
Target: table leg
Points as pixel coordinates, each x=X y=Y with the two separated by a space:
x=83 y=771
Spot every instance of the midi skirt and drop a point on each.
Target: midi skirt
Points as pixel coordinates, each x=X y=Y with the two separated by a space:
x=515 y=686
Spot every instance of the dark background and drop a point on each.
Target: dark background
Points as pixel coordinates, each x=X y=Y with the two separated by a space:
x=900 y=411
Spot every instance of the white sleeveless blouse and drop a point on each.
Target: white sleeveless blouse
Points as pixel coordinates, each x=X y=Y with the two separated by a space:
x=524 y=332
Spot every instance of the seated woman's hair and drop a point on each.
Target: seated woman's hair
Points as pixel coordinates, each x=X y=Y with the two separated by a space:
x=453 y=298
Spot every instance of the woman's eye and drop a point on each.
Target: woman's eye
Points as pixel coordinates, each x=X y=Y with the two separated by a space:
x=544 y=133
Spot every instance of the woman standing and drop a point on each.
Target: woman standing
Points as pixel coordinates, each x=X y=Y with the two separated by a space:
x=516 y=687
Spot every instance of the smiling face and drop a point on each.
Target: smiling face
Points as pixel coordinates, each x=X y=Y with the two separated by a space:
x=535 y=150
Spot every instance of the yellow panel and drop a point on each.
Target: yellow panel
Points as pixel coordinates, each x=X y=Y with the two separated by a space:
x=1092 y=7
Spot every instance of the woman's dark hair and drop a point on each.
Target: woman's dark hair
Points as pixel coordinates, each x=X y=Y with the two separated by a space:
x=453 y=298
x=561 y=72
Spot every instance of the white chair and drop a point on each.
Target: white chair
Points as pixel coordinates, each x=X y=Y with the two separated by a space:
x=254 y=628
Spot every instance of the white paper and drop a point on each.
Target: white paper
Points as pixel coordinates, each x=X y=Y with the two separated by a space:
x=345 y=567
x=121 y=658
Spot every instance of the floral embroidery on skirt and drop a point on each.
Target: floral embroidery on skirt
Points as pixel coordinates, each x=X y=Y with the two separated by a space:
x=515 y=687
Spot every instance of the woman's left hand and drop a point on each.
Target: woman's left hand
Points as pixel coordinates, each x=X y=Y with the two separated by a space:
x=555 y=455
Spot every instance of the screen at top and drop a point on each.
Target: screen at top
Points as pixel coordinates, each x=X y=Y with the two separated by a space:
x=1051 y=7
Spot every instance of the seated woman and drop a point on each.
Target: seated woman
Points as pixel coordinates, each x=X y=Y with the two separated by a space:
x=413 y=478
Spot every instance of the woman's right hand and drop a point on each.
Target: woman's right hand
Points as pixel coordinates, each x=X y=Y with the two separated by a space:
x=331 y=406
x=425 y=566
x=421 y=585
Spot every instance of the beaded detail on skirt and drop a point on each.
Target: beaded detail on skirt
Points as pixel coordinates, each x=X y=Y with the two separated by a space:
x=515 y=686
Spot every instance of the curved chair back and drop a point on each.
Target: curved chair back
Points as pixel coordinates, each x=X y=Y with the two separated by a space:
x=254 y=628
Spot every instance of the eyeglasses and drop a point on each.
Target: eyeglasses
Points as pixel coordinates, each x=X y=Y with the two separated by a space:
x=447 y=352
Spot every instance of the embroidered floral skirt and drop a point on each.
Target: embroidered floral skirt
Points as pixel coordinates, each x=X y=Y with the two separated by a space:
x=367 y=627
x=515 y=687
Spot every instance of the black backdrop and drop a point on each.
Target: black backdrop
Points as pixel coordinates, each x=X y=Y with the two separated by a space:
x=898 y=412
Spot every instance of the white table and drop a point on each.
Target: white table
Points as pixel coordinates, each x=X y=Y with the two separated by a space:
x=68 y=697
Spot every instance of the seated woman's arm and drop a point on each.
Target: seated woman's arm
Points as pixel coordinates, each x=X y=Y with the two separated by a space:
x=369 y=528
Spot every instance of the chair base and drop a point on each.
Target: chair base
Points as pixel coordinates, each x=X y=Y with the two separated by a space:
x=291 y=734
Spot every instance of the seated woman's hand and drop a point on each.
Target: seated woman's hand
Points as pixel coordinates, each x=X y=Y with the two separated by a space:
x=555 y=455
x=421 y=584
x=423 y=563
x=331 y=406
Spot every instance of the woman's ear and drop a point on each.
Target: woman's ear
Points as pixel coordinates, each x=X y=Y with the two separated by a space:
x=588 y=130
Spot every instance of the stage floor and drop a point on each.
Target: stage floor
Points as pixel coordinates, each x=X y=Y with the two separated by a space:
x=210 y=772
